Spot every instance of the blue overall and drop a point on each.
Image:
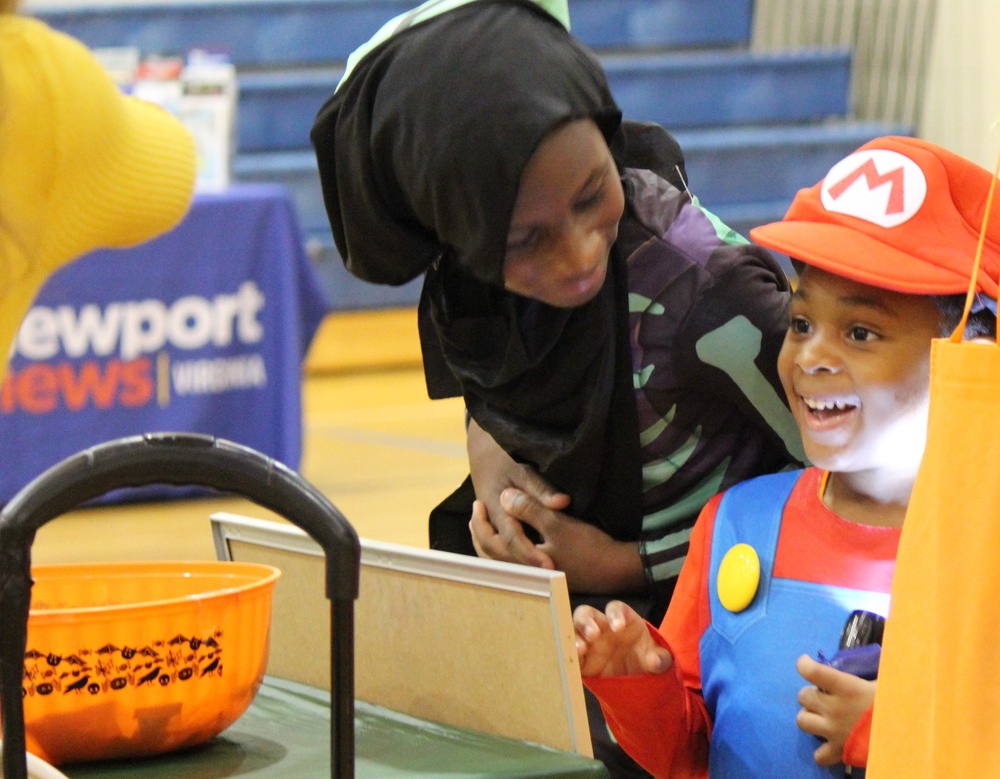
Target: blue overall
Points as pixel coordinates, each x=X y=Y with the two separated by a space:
x=748 y=657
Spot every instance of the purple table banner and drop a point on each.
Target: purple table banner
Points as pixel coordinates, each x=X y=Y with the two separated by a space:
x=203 y=329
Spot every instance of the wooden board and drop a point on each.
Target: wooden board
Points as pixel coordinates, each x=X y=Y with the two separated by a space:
x=453 y=639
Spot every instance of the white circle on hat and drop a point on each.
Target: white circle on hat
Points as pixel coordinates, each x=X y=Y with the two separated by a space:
x=880 y=186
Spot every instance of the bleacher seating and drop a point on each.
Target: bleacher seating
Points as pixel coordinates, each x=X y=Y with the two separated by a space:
x=755 y=127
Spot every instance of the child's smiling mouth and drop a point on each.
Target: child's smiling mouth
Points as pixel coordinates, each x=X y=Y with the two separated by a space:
x=829 y=409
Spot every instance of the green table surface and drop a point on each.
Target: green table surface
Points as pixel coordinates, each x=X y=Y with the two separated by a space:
x=286 y=733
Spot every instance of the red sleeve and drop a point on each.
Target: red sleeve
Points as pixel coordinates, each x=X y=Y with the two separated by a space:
x=689 y=614
x=856 y=748
x=661 y=720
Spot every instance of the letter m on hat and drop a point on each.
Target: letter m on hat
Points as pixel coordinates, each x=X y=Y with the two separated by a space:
x=877 y=185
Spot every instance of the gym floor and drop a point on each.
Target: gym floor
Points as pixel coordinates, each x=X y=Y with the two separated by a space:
x=373 y=443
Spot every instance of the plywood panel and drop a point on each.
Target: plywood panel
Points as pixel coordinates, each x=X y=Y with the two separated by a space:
x=476 y=644
x=452 y=651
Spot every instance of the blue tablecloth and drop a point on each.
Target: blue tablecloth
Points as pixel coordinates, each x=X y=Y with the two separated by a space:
x=203 y=329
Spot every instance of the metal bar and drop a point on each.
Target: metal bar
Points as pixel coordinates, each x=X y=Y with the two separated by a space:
x=341 y=689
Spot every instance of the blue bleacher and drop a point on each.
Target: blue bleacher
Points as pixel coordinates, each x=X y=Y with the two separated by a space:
x=727 y=88
x=755 y=127
x=297 y=32
x=277 y=108
x=678 y=90
x=774 y=162
x=661 y=24
x=262 y=33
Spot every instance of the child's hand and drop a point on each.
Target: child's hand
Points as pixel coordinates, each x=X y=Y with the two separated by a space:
x=496 y=534
x=831 y=706
x=616 y=642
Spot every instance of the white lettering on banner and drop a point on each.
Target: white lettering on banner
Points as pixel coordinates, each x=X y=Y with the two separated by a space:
x=142 y=327
x=203 y=377
x=89 y=331
x=38 y=336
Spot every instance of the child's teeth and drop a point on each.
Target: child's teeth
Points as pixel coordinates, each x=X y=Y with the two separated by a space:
x=826 y=405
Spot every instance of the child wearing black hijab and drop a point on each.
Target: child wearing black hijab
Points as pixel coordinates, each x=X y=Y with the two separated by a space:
x=613 y=341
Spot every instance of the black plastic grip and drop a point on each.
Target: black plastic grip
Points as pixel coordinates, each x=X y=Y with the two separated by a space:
x=178 y=459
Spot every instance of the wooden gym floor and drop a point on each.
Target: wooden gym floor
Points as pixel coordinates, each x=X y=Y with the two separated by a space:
x=373 y=443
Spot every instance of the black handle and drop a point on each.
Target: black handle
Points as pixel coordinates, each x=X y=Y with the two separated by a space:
x=861 y=628
x=180 y=459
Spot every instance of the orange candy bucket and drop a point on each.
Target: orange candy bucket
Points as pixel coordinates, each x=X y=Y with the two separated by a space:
x=132 y=659
x=119 y=660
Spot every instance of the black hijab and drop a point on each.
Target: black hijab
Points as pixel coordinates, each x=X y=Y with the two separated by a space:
x=420 y=155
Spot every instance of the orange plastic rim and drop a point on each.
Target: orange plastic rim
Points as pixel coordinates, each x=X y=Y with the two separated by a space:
x=132 y=659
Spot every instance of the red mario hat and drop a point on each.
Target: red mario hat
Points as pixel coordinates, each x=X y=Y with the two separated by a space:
x=899 y=213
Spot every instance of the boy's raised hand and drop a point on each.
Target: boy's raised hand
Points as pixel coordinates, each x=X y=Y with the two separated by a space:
x=616 y=642
x=831 y=706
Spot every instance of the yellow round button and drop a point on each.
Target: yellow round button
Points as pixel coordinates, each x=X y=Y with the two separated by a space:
x=739 y=577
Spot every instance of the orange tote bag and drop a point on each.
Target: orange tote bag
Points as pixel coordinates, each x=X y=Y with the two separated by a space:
x=937 y=705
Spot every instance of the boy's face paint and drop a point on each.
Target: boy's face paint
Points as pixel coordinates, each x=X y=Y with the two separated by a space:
x=855 y=366
x=565 y=218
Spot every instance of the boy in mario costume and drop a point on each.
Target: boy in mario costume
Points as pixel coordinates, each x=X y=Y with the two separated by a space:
x=731 y=684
